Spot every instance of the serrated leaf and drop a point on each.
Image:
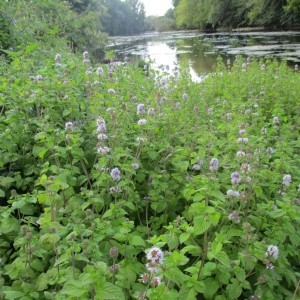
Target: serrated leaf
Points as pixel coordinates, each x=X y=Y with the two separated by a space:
x=75 y=289
x=178 y=259
x=234 y=291
x=42 y=282
x=277 y=213
x=172 y=241
x=6 y=181
x=37 y=265
x=109 y=292
x=211 y=287
x=39 y=151
x=208 y=268
x=13 y=294
x=49 y=238
x=194 y=250
x=201 y=224
x=137 y=241
x=223 y=258
x=175 y=275
x=184 y=237
x=187 y=294
x=9 y=225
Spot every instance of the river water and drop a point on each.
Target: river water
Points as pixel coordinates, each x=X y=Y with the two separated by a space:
x=200 y=51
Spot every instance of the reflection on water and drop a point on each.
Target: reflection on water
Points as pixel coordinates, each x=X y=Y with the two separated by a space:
x=200 y=51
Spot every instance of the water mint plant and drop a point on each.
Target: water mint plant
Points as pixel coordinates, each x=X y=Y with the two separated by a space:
x=118 y=184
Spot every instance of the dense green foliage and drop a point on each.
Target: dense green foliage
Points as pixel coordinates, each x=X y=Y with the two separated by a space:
x=82 y=24
x=101 y=163
x=236 y=13
x=124 y=18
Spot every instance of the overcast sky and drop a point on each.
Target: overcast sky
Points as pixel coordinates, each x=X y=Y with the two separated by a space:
x=156 y=7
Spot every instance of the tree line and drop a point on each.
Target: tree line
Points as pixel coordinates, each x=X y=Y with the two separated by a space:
x=86 y=24
x=83 y=24
x=213 y=14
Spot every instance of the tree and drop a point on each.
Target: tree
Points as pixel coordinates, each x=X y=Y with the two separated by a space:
x=124 y=18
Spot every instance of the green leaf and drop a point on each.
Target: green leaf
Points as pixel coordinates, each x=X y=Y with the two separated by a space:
x=208 y=268
x=178 y=259
x=201 y=224
x=223 y=258
x=2 y=193
x=75 y=289
x=183 y=237
x=6 y=181
x=42 y=282
x=9 y=225
x=136 y=240
x=187 y=294
x=108 y=292
x=12 y=53
x=194 y=250
x=13 y=294
x=277 y=213
x=175 y=275
x=234 y=291
x=211 y=287
x=37 y=265
x=39 y=151
x=31 y=47
x=172 y=241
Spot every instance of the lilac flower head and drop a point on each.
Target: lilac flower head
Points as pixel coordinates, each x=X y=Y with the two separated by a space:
x=115 y=174
x=185 y=96
x=58 y=58
x=115 y=190
x=229 y=116
x=101 y=128
x=163 y=81
x=243 y=140
x=286 y=180
x=111 y=91
x=214 y=165
x=234 y=216
x=142 y=122
x=273 y=251
x=240 y=153
x=135 y=166
x=85 y=55
x=141 y=109
x=69 y=126
x=245 y=168
x=233 y=193
x=235 y=178
x=276 y=121
x=99 y=71
x=264 y=130
x=102 y=136
x=103 y=150
x=197 y=166
x=39 y=77
x=156 y=281
x=155 y=255
x=151 y=111
x=141 y=139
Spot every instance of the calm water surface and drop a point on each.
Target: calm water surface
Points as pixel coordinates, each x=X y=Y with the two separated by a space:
x=200 y=51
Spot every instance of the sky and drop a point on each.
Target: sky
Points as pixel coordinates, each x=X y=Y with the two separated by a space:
x=156 y=7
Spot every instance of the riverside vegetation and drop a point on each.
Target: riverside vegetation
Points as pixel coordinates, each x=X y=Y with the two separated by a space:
x=122 y=182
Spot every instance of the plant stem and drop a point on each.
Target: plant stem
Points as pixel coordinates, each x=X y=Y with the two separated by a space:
x=296 y=290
